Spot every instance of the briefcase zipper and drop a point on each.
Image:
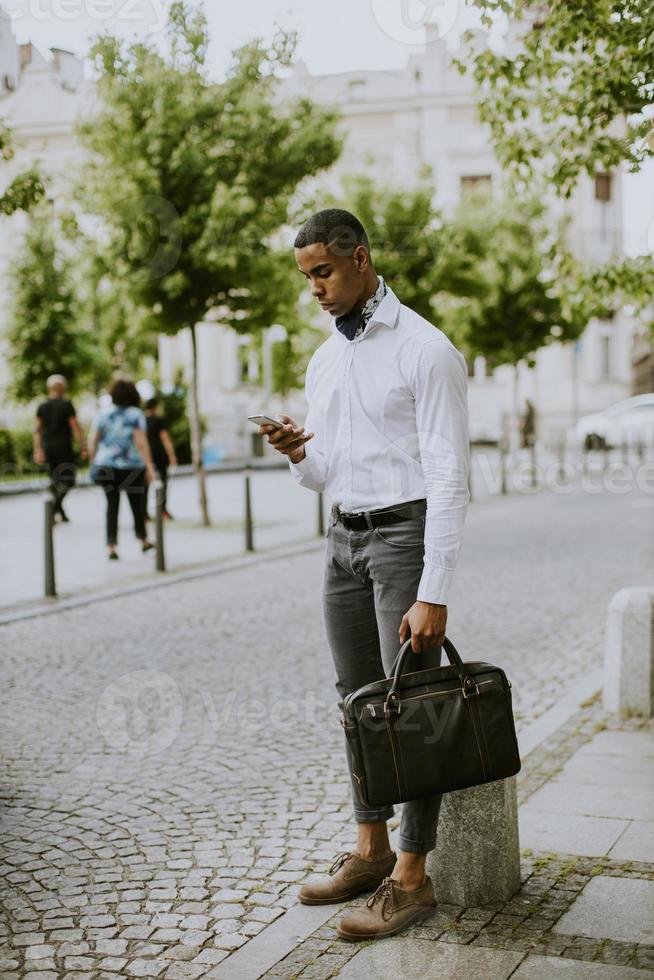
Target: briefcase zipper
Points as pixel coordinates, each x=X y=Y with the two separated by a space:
x=415 y=697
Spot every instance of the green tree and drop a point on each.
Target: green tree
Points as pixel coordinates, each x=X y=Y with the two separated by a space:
x=192 y=179
x=404 y=229
x=45 y=335
x=496 y=277
x=571 y=99
x=125 y=345
x=25 y=190
x=507 y=284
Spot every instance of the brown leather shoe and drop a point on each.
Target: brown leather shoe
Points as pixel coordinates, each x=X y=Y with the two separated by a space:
x=388 y=911
x=349 y=875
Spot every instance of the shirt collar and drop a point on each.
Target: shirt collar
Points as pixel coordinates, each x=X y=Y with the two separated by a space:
x=386 y=313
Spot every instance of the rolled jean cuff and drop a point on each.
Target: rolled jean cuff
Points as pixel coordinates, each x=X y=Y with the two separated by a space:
x=373 y=816
x=415 y=846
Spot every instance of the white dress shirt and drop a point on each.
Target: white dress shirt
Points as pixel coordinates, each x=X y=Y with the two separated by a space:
x=391 y=425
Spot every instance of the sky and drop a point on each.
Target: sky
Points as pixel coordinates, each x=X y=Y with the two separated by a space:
x=334 y=35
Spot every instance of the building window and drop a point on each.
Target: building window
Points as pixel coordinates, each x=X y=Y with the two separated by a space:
x=356 y=87
x=605 y=356
x=602 y=187
x=244 y=359
x=475 y=182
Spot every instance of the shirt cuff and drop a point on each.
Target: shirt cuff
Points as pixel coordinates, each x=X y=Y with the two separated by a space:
x=435 y=584
x=303 y=467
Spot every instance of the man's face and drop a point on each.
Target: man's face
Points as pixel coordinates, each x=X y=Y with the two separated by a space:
x=57 y=390
x=337 y=281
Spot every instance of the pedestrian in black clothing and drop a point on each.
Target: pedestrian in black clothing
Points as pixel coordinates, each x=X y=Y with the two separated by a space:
x=161 y=447
x=54 y=427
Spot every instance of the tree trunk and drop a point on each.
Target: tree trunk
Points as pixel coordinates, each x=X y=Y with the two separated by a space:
x=516 y=407
x=196 y=432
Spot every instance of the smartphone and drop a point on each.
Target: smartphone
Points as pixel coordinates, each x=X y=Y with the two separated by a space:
x=265 y=420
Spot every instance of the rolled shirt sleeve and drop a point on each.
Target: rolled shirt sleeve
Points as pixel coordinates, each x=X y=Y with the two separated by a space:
x=442 y=425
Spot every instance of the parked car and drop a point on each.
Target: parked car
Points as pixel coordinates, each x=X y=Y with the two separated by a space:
x=629 y=422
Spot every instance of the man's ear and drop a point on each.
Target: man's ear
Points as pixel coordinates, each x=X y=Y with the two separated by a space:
x=362 y=258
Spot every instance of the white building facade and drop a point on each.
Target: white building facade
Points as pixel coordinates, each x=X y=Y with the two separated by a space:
x=393 y=122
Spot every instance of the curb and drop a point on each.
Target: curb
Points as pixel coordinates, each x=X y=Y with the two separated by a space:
x=204 y=571
x=275 y=942
x=40 y=484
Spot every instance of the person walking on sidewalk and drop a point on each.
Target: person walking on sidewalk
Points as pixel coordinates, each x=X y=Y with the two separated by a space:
x=161 y=448
x=121 y=459
x=54 y=427
x=386 y=437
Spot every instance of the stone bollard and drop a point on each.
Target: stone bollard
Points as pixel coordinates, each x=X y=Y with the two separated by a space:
x=629 y=655
x=476 y=860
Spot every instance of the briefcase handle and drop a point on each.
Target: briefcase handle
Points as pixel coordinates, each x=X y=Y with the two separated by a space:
x=452 y=655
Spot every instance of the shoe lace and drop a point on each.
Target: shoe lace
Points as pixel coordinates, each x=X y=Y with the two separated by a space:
x=339 y=862
x=386 y=894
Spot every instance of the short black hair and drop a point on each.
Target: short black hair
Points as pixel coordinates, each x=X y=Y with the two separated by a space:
x=124 y=393
x=340 y=230
x=152 y=403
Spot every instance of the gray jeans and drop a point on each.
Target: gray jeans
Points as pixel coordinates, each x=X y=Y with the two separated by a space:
x=371 y=579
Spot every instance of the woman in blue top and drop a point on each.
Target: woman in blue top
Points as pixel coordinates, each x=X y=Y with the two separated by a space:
x=120 y=457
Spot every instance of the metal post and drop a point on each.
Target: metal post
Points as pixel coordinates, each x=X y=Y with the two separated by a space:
x=470 y=476
x=532 y=454
x=50 y=584
x=321 y=516
x=159 y=525
x=249 y=544
x=503 y=466
x=561 y=461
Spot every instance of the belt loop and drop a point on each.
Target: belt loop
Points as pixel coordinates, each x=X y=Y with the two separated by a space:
x=368 y=520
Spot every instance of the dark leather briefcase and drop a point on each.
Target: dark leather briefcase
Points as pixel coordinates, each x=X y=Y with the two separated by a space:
x=430 y=731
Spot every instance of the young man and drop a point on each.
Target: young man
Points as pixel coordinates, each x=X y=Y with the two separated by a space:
x=54 y=427
x=386 y=436
x=161 y=447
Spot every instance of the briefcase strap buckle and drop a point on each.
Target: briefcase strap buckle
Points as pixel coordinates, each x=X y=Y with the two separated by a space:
x=469 y=689
x=392 y=705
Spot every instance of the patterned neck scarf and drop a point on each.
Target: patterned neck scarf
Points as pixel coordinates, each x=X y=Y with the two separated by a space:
x=353 y=324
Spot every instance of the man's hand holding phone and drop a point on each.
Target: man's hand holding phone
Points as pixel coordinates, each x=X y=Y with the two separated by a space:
x=288 y=438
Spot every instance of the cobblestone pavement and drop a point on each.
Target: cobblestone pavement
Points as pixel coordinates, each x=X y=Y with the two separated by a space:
x=550 y=885
x=174 y=764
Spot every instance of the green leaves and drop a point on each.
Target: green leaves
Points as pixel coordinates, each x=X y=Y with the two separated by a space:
x=192 y=179
x=25 y=190
x=495 y=277
x=44 y=335
x=571 y=99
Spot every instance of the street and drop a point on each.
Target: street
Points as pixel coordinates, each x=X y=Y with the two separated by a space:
x=174 y=763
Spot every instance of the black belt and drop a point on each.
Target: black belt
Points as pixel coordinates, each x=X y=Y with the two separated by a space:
x=366 y=520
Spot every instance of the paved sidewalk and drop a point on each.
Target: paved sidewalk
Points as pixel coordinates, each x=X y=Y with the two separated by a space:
x=283 y=514
x=585 y=910
x=173 y=763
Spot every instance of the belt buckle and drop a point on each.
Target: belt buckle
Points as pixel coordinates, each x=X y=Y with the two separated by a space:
x=366 y=516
